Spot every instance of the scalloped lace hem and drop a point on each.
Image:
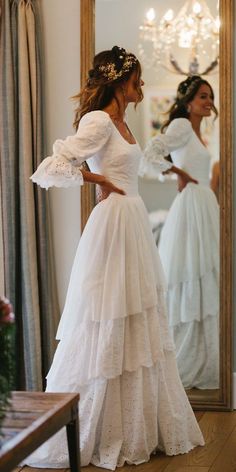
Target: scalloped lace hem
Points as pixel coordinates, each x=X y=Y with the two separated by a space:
x=127 y=418
x=108 y=348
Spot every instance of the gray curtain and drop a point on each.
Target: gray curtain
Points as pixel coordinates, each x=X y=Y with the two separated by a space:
x=27 y=251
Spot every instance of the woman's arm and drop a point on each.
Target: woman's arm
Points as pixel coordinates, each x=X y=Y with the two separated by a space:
x=154 y=159
x=183 y=177
x=63 y=167
x=106 y=185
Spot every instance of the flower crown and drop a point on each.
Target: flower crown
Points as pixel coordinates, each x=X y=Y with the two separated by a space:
x=110 y=72
x=186 y=87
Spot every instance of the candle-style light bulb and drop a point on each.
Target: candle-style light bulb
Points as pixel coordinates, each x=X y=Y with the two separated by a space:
x=150 y=15
x=197 y=8
x=169 y=15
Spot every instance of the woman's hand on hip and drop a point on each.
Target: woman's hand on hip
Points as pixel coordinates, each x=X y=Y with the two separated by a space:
x=184 y=180
x=105 y=187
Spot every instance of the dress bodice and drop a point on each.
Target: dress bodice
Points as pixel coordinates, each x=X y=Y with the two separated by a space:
x=118 y=161
x=185 y=148
x=98 y=142
x=193 y=157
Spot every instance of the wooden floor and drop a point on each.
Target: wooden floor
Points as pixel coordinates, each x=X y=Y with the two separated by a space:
x=218 y=455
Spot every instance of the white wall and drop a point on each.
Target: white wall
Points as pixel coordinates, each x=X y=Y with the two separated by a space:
x=61 y=36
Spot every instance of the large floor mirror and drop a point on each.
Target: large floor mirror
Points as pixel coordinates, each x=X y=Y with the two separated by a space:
x=106 y=23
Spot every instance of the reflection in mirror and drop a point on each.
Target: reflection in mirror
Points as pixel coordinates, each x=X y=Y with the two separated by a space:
x=185 y=224
x=188 y=242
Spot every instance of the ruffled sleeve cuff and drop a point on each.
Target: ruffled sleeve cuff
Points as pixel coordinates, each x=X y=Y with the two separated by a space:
x=62 y=169
x=58 y=172
x=153 y=162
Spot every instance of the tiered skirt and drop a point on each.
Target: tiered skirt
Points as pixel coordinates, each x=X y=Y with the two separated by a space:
x=189 y=251
x=115 y=348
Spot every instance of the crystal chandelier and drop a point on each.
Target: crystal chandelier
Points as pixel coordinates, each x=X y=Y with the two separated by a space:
x=186 y=44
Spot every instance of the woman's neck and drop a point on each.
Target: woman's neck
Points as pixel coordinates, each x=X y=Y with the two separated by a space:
x=116 y=109
x=196 y=123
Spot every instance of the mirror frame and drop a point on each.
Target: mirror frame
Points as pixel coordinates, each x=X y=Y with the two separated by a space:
x=223 y=399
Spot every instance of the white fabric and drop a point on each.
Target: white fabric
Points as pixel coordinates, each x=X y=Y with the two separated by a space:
x=191 y=155
x=115 y=348
x=198 y=352
x=152 y=162
x=157 y=219
x=62 y=168
x=189 y=250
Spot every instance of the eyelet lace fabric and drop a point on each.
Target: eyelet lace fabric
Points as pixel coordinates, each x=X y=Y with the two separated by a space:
x=108 y=348
x=153 y=162
x=58 y=172
x=126 y=419
x=132 y=402
x=115 y=348
x=62 y=168
x=155 y=151
x=177 y=135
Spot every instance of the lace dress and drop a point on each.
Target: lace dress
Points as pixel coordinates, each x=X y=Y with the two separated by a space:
x=189 y=251
x=115 y=348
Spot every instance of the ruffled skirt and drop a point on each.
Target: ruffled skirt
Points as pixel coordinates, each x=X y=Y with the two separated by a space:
x=189 y=251
x=115 y=348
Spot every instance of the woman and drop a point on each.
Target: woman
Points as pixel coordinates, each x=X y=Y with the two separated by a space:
x=114 y=344
x=189 y=245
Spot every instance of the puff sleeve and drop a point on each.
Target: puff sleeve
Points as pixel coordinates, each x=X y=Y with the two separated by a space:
x=153 y=161
x=62 y=168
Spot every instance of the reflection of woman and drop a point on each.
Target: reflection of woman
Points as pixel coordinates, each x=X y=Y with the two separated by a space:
x=189 y=246
x=114 y=344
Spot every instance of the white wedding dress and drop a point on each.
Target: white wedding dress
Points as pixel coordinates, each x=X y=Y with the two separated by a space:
x=115 y=348
x=189 y=251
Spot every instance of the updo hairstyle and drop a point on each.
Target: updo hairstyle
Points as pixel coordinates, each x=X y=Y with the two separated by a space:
x=110 y=69
x=186 y=92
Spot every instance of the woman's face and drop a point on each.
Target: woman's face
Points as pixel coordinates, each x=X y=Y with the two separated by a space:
x=202 y=103
x=132 y=88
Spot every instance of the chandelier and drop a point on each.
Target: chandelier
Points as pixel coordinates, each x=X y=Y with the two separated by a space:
x=186 y=44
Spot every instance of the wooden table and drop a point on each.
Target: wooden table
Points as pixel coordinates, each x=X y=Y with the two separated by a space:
x=33 y=417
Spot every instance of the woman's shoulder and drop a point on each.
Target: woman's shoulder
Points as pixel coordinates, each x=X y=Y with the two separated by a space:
x=182 y=125
x=96 y=117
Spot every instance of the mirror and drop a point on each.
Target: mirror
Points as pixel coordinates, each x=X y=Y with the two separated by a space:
x=91 y=11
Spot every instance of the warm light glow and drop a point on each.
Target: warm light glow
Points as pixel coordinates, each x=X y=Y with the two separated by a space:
x=185 y=39
x=169 y=15
x=197 y=8
x=150 y=15
x=193 y=28
x=190 y=21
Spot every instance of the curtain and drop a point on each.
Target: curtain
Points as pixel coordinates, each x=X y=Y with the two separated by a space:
x=27 y=250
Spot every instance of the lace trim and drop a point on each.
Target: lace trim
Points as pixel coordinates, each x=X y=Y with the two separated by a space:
x=62 y=166
x=127 y=418
x=105 y=349
x=153 y=162
x=155 y=152
x=58 y=172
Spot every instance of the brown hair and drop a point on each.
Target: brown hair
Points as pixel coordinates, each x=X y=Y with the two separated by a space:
x=186 y=92
x=110 y=69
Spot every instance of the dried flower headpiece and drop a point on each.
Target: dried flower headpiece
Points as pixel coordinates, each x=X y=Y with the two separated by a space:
x=109 y=70
x=186 y=87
